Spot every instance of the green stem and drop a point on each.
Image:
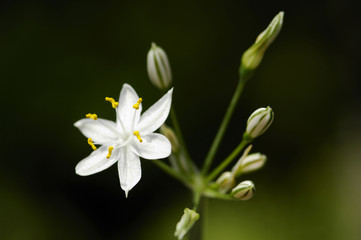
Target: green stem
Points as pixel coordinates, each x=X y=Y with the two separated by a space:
x=224 y=124
x=166 y=168
x=227 y=161
x=178 y=132
x=196 y=233
x=204 y=221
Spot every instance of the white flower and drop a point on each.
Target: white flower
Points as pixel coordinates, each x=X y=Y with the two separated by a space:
x=127 y=139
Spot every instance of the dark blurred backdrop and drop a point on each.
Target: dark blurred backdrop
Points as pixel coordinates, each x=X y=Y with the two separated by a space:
x=59 y=59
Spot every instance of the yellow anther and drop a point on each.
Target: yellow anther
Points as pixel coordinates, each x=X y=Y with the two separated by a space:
x=110 y=149
x=136 y=106
x=136 y=133
x=92 y=116
x=112 y=101
x=90 y=142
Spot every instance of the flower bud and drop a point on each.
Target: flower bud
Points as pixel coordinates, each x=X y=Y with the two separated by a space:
x=158 y=67
x=225 y=182
x=259 y=122
x=244 y=191
x=185 y=224
x=253 y=56
x=252 y=163
x=169 y=133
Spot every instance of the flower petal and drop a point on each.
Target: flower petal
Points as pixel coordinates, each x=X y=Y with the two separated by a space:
x=129 y=170
x=156 y=115
x=126 y=114
x=101 y=131
x=97 y=161
x=153 y=146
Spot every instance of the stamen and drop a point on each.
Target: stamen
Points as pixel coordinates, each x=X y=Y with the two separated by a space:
x=136 y=106
x=112 y=101
x=92 y=116
x=110 y=149
x=136 y=133
x=90 y=142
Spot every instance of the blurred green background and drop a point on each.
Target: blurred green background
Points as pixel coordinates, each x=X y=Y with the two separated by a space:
x=59 y=59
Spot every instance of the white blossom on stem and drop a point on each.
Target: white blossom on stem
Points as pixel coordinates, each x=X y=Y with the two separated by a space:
x=124 y=141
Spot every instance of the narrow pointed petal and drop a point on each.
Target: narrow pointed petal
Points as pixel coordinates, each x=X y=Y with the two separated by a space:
x=101 y=131
x=156 y=115
x=97 y=161
x=129 y=170
x=153 y=146
x=125 y=111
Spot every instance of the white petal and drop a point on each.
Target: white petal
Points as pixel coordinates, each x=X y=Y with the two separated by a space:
x=125 y=111
x=153 y=146
x=129 y=170
x=156 y=115
x=101 y=131
x=97 y=161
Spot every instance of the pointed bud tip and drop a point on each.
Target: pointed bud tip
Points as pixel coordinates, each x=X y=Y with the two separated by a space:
x=254 y=55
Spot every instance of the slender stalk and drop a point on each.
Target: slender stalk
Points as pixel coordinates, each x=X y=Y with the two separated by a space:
x=227 y=161
x=178 y=132
x=166 y=168
x=204 y=210
x=223 y=127
x=196 y=233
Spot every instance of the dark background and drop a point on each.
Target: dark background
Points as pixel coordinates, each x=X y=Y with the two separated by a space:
x=59 y=59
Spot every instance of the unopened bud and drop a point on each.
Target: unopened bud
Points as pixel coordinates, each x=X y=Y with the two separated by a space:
x=225 y=181
x=252 y=162
x=185 y=224
x=158 y=67
x=253 y=56
x=244 y=191
x=259 y=122
x=169 y=133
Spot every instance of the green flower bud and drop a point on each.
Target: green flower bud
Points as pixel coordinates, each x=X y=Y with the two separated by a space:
x=252 y=162
x=253 y=56
x=225 y=181
x=169 y=133
x=185 y=224
x=244 y=191
x=259 y=122
x=158 y=67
